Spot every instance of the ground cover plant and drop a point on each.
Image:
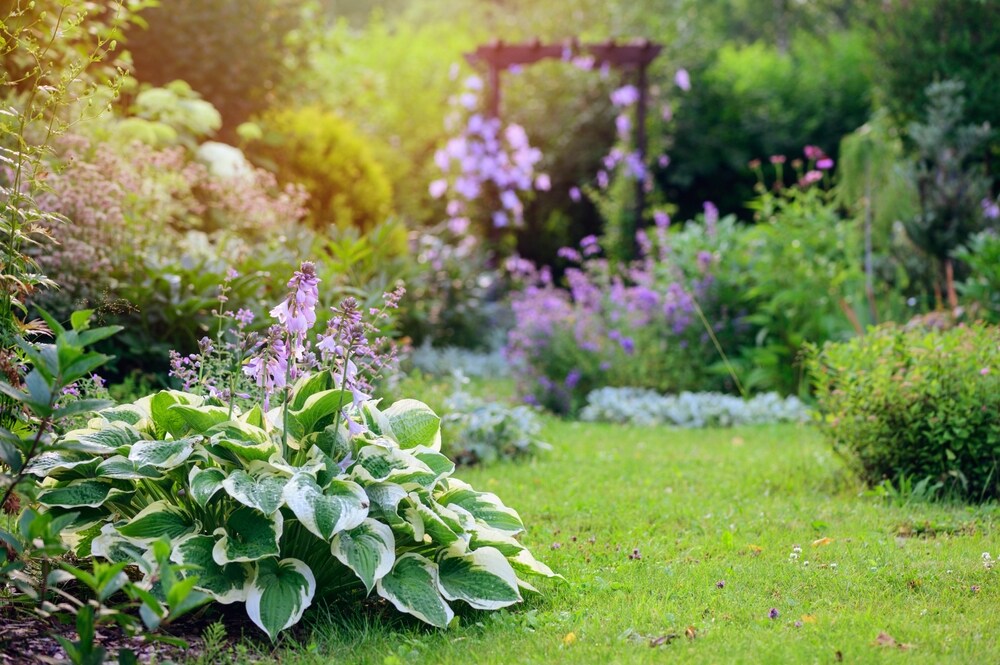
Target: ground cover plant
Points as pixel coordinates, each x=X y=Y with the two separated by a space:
x=745 y=545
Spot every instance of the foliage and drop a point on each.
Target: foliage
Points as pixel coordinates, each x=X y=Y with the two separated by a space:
x=964 y=46
x=757 y=100
x=638 y=406
x=483 y=432
x=982 y=287
x=325 y=507
x=233 y=52
x=173 y=114
x=55 y=60
x=951 y=181
x=317 y=149
x=800 y=270
x=616 y=324
x=391 y=80
x=452 y=289
x=916 y=403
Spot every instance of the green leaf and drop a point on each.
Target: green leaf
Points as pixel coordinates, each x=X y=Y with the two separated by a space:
x=413 y=587
x=79 y=494
x=81 y=406
x=414 y=424
x=279 y=594
x=369 y=550
x=319 y=406
x=161 y=454
x=125 y=413
x=80 y=319
x=260 y=492
x=483 y=506
x=204 y=483
x=308 y=386
x=525 y=563
x=122 y=468
x=255 y=417
x=247 y=536
x=377 y=464
x=167 y=420
x=53 y=460
x=105 y=441
x=385 y=499
x=434 y=525
x=245 y=440
x=438 y=463
x=325 y=511
x=114 y=547
x=483 y=578
x=157 y=520
x=201 y=418
x=227 y=584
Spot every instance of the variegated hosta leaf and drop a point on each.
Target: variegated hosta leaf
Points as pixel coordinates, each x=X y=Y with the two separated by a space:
x=169 y=421
x=486 y=536
x=412 y=586
x=122 y=468
x=484 y=506
x=369 y=550
x=247 y=536
x=307 y=386
x=227 y=584
x=482 y=578
x=243 y=439
x=115 y=437
x=161 y=454
x=116 y=548
x=434 y=525
x=279 y=594
x=377 y=464
x=125 y=413
x=414 y=424
x=325 y=511
x=438 y=463
x=317 y=407
x=261 y=492
x=525 y=563
x=385 y=499
x=204 y=483
x=51 y=462
x=79 y=494
x=255 y=417
x=156 y=520
x=201 y=418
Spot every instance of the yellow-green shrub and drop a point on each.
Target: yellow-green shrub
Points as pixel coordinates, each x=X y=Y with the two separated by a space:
x=319 y=150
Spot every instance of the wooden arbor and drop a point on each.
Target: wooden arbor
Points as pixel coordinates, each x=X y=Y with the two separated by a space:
x=634 y=56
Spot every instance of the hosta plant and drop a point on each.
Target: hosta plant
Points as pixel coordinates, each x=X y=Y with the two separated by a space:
x=312 y=492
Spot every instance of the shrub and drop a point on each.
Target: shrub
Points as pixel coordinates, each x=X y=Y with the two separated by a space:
x=481 y=432
x=914 y=404
x=307 y=491
x=233 y=52
x=982 y=288
x=319 y=150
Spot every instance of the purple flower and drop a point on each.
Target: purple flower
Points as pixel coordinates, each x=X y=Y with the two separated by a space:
x=574 y=194
x=777 y=159
x=661 y=219
x=590 y=245
x=991 y=209
x=773 y=614
x=500 y=219
x=626 y=95
x=824 y=164
x=573 y=378
x=438 y=188
x=542 y=182
x=682 y=79
x=720 y=584
x=602 y=179
x=244 y=317
x=569 y=254
x=663 y=161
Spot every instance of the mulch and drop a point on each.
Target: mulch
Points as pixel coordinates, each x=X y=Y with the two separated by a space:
x=26 y=639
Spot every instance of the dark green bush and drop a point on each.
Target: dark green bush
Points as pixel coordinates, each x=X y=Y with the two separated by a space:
x=915 y=403
x=233 y=52
x=321 y=151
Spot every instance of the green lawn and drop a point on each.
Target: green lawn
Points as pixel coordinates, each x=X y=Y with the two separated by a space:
x=714 y=516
